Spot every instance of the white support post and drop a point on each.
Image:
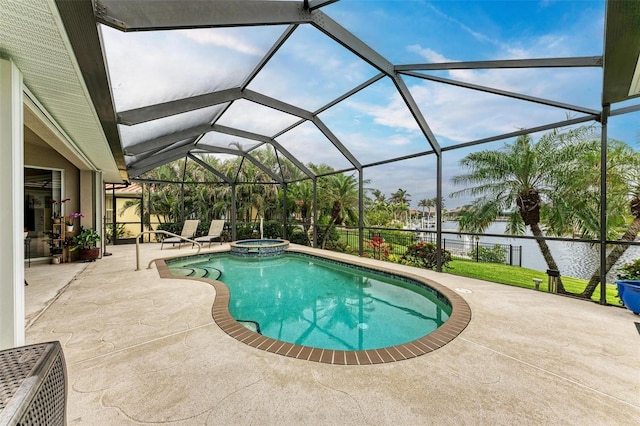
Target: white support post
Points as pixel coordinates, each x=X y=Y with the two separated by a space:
x=12 y=310
x=98 y=203
x=92 y=201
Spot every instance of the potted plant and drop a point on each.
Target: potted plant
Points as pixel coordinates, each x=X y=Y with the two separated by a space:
x=68 y=221
x=629 y=286
x=86 y=241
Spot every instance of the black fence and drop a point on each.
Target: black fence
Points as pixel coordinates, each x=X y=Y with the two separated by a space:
x=379 y=242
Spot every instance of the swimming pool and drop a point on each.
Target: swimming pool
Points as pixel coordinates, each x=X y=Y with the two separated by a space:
x=300 y=305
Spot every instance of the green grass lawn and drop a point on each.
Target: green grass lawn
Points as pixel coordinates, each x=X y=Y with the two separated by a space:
x=511 y=275
x=522 y=277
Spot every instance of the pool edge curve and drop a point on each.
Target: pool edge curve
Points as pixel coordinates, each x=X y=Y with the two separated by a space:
x=457 y=322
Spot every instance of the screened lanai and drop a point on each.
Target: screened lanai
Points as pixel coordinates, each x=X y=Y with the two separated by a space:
x=348 y=84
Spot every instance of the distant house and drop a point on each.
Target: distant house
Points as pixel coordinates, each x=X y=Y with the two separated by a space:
x=128 y=221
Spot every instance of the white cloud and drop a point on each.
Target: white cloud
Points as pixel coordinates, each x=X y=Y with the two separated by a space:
x=427 y=53
x=224 y=37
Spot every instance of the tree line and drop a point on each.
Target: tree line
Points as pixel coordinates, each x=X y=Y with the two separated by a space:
x=550 y=186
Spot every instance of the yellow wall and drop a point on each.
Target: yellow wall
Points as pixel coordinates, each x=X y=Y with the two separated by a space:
x=129 y=215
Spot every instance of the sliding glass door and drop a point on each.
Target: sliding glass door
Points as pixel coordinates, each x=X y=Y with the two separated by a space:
x=42 y=196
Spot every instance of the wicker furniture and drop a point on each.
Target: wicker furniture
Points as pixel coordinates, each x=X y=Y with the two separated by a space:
x=33 y=385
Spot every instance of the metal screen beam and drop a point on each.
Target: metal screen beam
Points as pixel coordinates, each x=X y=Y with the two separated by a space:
x=267 y=57
x=317 y=4
x=158 y=160
x=166 y=140
x=133 y=15
x=336 y=142
x=417 y=114
x=350 y=93
x=138 y=158
x=209 y=168
x=338 y=33
x=166 y=109
x=508 y=94
x=292 y=158
x=261 y=138
x=584 y=61
x=243 y=154
x=276 y=104
x=524 y=132
x=625 y=110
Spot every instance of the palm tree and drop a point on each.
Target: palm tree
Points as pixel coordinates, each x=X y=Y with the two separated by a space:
x=341 y=193
x=623 y=197
x=423 y=203
x=522 y=178
x=378 y=212
x=378 y=196
x=401 y=200
x=302 y=194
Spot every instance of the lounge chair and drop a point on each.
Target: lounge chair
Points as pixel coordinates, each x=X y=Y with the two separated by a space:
x=188 y=231
x=215 y=233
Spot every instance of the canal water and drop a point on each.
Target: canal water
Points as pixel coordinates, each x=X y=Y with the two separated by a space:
x=574 y=259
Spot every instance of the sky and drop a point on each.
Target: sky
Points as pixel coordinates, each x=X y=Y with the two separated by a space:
x=311 y=70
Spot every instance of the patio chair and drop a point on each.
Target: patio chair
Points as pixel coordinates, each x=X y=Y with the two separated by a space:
x=188 y=231
x=215 y=233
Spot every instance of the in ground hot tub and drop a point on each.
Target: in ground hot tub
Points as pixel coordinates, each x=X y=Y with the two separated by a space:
x=261 y=248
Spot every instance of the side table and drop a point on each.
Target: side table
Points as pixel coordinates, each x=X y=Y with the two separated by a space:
x=33 y=385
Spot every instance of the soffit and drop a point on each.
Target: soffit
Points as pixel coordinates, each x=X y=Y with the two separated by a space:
x=31 y=36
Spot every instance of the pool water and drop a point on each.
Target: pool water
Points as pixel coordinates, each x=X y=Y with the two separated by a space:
x=312 y=302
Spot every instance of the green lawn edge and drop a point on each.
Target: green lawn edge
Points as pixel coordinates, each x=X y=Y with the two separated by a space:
x=523 y=277
x=513 y=275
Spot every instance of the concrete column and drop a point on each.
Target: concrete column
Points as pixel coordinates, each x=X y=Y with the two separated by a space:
x=12 y=309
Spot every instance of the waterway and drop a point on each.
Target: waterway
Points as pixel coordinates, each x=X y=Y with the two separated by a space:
x=574 y=259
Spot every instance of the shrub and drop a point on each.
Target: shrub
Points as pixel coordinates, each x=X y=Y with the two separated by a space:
x=331 y=236
x=630 y=271
x=339 y=246
x=403 y=238
x=244 y=231
x=175 y=228
x=379 y=247
x=297 y=235
x=271 y=229
x=424 y=255
x=495 y=254
x=121 y=232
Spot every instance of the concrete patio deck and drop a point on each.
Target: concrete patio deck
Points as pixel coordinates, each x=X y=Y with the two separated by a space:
x=140 y=349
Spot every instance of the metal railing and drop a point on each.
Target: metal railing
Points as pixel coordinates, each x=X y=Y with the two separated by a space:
x=159 y=232
x=464 y=248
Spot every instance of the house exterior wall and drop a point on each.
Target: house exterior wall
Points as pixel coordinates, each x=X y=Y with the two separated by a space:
x=38 y=154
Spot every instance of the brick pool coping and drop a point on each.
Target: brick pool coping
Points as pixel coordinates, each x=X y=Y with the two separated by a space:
x=457 y=322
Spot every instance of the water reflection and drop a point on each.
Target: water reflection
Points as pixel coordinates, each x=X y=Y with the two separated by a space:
x=318 y=304
x=574 y=259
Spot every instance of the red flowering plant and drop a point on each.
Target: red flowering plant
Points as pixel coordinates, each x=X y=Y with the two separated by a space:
x=424 y=255
x=379 y=247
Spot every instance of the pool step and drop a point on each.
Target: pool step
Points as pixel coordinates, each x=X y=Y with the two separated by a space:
x=251 y=325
